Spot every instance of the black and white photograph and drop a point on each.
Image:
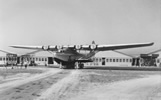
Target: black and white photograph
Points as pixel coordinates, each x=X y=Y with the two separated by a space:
x=80 y=49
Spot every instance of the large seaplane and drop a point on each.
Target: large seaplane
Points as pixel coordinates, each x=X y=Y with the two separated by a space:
x=71 y=56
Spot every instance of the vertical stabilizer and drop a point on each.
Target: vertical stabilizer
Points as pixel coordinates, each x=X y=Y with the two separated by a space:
x=93 y=42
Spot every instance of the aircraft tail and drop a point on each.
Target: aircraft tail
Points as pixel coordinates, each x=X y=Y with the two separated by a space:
x=93 y=42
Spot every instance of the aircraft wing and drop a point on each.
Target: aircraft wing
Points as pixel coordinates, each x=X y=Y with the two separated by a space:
x=26 y=47
x=85 y=47
x=110 y=47
x=6 y=51
x=122 y=46
x=51 y=48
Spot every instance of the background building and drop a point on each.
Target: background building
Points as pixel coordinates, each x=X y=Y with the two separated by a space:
x=43 y=58
x=106 y=58
x=7 y=58
x=158 y=60
x=111 y=58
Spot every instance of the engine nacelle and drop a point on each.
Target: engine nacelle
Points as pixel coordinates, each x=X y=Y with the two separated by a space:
x=78 y=47
x=59 y=47
x=93 y=47
x=45 y=47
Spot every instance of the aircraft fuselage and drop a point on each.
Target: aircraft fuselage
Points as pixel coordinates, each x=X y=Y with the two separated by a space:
x=70 y=56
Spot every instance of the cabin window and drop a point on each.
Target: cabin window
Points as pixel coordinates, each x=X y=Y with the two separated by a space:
x=42 y=59
x=130 y=60
x=110 y=60
x=100 y=60
x=157 y=60
x=9 y=59
x=96 y=60
x=123 y=60
x=0 y=58
x=4 y=59
x=39 y=59
x=106 y=60
x=127 y=60
x=113 y=60
x=120 y=60
x=45 y=59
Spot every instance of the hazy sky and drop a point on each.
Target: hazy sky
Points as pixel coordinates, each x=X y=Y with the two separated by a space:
x=51 y=22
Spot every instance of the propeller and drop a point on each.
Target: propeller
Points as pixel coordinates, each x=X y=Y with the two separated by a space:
x=45 y=47
x=59 y=47
x=93 y=46
x=78 y=47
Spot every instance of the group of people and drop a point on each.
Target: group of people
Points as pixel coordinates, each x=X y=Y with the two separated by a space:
x=25 y=63
x=22 y=63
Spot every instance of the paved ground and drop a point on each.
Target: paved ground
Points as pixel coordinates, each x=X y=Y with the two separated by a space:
x=86 y=84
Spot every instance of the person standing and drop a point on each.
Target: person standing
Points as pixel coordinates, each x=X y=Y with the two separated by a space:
x=26 y=63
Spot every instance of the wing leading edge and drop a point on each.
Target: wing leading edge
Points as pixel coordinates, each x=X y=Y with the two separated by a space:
x=122 y=46
x=86 y=47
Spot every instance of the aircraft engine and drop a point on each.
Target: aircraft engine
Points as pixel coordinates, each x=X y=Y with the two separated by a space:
x=78 y=47
x=45 y=47
x=59 y=47
x=93 y=47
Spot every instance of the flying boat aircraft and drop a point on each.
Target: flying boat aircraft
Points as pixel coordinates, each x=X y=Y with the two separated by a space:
x=70 y=56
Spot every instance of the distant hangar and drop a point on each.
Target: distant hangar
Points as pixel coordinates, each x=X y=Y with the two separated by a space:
x=107 y=58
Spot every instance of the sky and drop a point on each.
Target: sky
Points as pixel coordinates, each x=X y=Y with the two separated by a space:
x=62 y=22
